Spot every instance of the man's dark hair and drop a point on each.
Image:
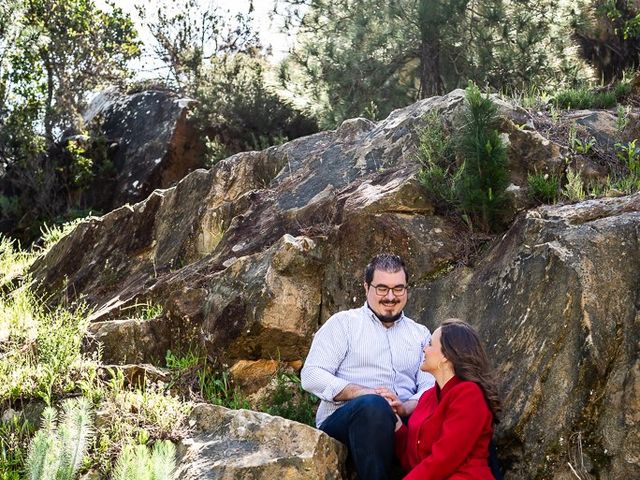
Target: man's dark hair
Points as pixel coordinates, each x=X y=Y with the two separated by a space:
x=385 y=262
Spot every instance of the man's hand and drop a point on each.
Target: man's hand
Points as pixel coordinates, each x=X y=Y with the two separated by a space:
x=403 y=409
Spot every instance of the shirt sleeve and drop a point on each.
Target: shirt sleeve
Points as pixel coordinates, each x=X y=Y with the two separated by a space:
x=328 y=350
x=424 y=380
x=466 y=417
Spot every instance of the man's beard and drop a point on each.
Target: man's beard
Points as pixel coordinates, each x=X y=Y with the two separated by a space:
x=387 y=318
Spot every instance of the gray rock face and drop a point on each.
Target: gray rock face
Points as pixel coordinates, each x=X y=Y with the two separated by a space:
x=241 y=444
x=148 y=140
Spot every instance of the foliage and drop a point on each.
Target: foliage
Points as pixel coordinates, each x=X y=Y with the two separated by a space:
x=57 y=449
x=145 y=311
x=363 y=56
x=15 y=436
x=134 y=416
x=574 y=189
x=608 y=34
x=484 y=177
x=217 y=388
x=436 y=155
x=289 y=400
x=544 y=188
x=629 y=154
x=51 y=55
x=136 y=463
x=41 y=345
x=586 y=98
x=467 y=173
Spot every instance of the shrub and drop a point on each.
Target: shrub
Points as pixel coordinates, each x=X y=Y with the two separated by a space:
x=484 y=176
x=544 y=188
x=15 y=436
x=474 y=185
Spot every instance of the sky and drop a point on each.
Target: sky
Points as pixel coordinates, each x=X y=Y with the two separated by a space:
x=269 y=34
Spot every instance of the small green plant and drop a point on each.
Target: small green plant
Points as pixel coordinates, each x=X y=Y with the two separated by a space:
x=182 y=363
x=57 y=449
x=136 y=462
x=439 y=173
x=583 y=146
x=484 y=176
x=622 y=118
x=475 y=184
x=145 y=310
x=217 y=388
x=543 y=187
x=629 y=154
x=574 y=188
x=289 y=400
x=42 y=348
x=50 y=235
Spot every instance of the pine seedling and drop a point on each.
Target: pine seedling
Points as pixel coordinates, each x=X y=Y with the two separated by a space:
x=163 y=460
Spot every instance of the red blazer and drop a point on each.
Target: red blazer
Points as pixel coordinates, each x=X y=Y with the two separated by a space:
x=448 y=434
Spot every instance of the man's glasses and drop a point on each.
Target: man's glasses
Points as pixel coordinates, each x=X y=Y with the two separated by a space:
x=382 y=290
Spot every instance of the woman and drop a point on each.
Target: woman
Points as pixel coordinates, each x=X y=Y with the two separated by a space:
x=449 y=432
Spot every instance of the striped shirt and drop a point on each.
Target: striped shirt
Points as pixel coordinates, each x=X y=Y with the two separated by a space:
x=353 y=346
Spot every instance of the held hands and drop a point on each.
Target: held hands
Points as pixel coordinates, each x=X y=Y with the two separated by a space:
x=396 y=404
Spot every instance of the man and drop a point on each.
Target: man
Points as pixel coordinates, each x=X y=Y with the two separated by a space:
x=364 y=366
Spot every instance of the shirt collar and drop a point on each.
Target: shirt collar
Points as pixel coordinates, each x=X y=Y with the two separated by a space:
x=453 y=381
x=371 y=314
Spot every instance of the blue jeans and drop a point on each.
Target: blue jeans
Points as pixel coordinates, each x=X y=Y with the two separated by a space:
x=366 y=425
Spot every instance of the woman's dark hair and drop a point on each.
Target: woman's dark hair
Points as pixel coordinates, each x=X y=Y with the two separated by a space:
x=385 y=262
x=461 y=345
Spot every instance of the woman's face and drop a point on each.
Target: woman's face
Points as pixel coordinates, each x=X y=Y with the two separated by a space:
x=433 y=356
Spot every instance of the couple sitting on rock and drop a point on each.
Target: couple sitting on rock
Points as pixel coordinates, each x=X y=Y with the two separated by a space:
x=384 y=380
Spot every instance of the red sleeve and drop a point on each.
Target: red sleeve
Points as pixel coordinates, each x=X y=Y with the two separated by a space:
x=466 y=416
x=401 y=446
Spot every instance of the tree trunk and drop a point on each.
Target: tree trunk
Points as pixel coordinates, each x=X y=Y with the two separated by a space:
x=429 y=14
x=430 y=80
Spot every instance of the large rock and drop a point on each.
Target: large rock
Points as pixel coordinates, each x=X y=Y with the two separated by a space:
x=148 y=139
x=557 y=301
x=248 y=258
x=241 y=444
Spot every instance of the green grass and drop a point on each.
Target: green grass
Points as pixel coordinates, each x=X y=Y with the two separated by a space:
x=585 y=98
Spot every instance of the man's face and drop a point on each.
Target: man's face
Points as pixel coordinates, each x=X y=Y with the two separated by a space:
x=389 y=306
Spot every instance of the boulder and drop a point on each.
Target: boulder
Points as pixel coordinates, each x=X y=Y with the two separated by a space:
x=241 y=444
x=557 y=302
x=148 y=139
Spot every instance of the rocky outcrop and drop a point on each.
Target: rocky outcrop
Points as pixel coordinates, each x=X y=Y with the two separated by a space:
x=147 y=138
x=248 y=258
x=241 y=444
x=557 y=301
